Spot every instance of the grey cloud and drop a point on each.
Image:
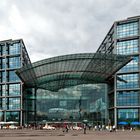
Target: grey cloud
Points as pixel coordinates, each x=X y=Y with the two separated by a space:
x=57 y=27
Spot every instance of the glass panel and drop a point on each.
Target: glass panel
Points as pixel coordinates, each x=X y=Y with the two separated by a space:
x=13 y=116
x=131 y=66
x=3 y=76
x=128 y=98
x=3 y=50
x=129 y=29
x=1 y=104
x=3 y=63
x=127 y=47
x=14 y=62
x=128 y=115
x=1 y=116
x=13 y=103
x=14 y=49
x=13 y=77
x=4 y=103
x=4 y=90
x=128 y=81
x=73 y=104
x=14 y=89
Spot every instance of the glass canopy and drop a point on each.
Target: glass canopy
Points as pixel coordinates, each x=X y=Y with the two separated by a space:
x=70 y=70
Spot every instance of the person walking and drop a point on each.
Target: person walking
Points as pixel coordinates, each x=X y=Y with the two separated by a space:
x=84 y=128
x=67 y=128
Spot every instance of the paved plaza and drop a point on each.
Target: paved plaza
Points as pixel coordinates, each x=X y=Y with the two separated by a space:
x=71 y=135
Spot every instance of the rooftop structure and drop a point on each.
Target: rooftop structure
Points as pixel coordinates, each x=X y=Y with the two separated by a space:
x=71 y=70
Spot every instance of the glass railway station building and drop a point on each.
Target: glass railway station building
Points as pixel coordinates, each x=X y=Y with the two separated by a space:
x=100 y=88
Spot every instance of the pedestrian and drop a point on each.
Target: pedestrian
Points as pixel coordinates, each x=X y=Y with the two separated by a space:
x=114 y=128
x=67 y=128
x=95 y=127
x=84 y=128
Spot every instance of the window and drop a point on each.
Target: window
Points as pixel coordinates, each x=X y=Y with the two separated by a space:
x=3 y=50
x=13 y=77
x=1 y=116
x=3 y=76
x=14 y=48
x=3 y=63
x=13 y=103
x=127 y=47
x=14 y=89
x=127 y=115
x=130 y=81
x=128 y=98
x=127 y=29
x=14 y=62
x=131 y=66
x=14 y=116
x=4 y=90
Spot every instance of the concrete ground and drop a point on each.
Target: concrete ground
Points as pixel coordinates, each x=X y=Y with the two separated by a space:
x=71 y=135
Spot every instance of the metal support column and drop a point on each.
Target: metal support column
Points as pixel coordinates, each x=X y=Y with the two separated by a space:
x=115 y=99
x=35 y=116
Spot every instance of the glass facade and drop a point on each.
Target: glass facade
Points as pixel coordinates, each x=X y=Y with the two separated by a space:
x=132 y=66
x=127 y=47
x=127 y=92
x=127 y=29
x=76 y=103
x=125 y=97
x=1 y=116
x=131 y=81
x=13 y=116
x=73 y=104
x=14 y=62
x=13 y=77
x=128 y=98
x=129 y=74
x=14 y=48
x=14 y=89
x=11 y=56
x=130 y=115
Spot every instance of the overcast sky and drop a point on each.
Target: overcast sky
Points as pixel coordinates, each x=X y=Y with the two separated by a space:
x=57 y=27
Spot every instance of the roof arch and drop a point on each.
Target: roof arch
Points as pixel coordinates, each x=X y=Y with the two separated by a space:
x=69 y=70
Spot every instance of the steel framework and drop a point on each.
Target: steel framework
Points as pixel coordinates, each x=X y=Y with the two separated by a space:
x=70 y=70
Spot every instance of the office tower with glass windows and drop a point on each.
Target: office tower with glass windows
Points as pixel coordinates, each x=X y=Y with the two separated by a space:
x=124 y=96
x=13 y=55
x=67 y=87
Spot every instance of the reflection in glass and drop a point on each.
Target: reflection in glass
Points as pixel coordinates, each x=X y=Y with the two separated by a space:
x=74 y=104
x=129 y=115
x=13 y=116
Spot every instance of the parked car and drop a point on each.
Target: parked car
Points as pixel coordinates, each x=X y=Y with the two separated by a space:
x=48 y=127
x=77 y=128
x=13 y=127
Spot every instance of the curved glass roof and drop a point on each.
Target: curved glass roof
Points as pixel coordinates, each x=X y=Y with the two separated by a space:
x=70 y=70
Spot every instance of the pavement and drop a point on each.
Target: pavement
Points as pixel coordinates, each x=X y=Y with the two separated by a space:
x=71 y=135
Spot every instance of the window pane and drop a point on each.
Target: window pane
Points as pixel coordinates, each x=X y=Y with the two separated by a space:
x=13 y=103
x=14 y=62
x=13 y=116
x=127 y=115
x=3 y=76
x=128 y=81
x=13 y=77
x=131 y=66
x=127 y=47
x=1 y=116
x=129 y=29
x=14 y=48
x=125 y=98
x=14 y=89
